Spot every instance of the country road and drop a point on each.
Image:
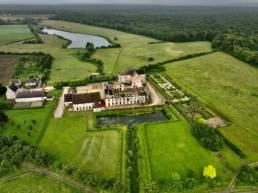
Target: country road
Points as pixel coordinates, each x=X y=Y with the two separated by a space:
x=60 y=107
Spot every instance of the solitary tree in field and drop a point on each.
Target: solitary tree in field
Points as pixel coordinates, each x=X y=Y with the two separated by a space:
x=209 y=172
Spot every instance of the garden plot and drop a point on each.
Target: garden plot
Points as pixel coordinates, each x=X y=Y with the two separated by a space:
x=189 y=106
x=175 y=94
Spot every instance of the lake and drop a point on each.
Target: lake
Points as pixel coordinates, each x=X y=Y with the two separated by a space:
x=78 y=40
x=131 y=120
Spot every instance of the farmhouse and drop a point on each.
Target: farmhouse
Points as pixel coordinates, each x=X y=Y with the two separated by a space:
x=86 y=101
x=130 y=89
x=31 y=96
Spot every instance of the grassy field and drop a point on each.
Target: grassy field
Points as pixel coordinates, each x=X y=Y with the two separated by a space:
x=13 y=33
x=135 y=51
x=98 y=152
x=169 y=147
x=229 y=86
x=35 y=183
x=7 y=68
x=29 y=124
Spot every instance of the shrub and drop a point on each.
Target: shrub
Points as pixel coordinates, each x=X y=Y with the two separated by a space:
x=3 y=118
x=208 y=137
x=248 y=175
x=3 y=89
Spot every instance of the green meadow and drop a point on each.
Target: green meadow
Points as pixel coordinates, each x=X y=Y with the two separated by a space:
x=14 y=33
x=230 y=87
x=135 y=50
x=99 y=152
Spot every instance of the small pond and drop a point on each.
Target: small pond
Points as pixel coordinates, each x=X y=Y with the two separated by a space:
x=78 y=40
x=131 y=120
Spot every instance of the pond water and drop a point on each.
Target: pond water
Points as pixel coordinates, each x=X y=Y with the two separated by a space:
x=78 y=40
x=131 y=120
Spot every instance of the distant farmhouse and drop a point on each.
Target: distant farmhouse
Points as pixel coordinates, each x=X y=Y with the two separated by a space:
x=130 y=89
x=20 y=94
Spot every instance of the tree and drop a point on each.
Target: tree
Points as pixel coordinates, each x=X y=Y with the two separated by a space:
x=209 y=172
x=3 y=118
x=89 y=47
x=3 y=89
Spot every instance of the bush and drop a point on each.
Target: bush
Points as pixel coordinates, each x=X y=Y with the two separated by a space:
x=208 y=137
x=3 y=89
x=248 y=175
x=3 y=118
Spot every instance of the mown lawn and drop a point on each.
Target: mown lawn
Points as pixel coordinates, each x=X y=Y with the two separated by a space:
x=135 y=50
x=230 y=87
x=98 y=152
x=12 y=33
x=172 y=148
x=169 y=147
x=35 y=183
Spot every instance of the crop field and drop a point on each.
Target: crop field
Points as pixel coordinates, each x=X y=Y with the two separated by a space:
x=135 y=50
x=35 y=183
x=7 y=68
x=13 y=33
x=230 y=87
x=97 y=151
x=169 y=147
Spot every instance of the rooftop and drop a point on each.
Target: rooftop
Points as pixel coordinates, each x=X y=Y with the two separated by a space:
x=86 y=98
x=31 y=94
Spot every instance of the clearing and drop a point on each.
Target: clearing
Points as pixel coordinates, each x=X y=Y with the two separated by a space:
x=230 y=87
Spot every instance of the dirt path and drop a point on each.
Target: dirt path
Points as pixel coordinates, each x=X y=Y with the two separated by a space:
x=60 y=107
x=45 y=171
x=231 y=186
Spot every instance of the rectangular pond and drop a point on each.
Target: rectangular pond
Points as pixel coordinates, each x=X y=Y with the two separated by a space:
x=131 y=120
x=78 y=40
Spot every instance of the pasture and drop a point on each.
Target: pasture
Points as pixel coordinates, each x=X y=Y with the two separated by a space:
x=135 y=50
x=35 y=183
x=7 y=68
x=99 y=152
x=230 y=87
x=14 y=33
